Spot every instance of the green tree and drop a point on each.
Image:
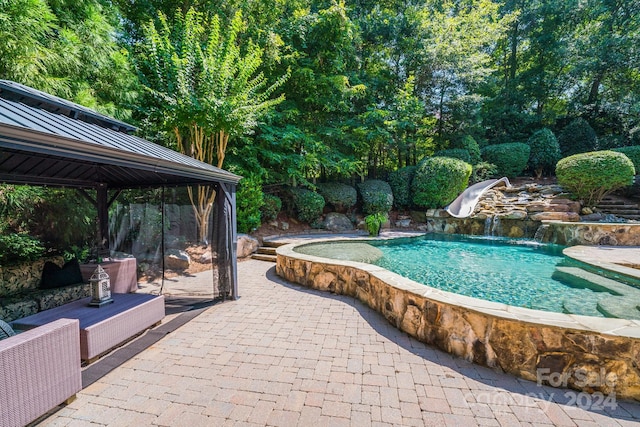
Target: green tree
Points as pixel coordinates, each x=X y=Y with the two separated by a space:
x=203 y=89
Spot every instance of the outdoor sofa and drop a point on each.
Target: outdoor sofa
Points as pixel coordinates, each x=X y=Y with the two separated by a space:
x=40 y=370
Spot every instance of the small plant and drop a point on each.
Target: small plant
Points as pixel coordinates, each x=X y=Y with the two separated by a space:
x=591 y=176
x=510 y=159
x=376 y=196
x=483 y=171
x=250 y=200
x=374 y=222
x=438 y=181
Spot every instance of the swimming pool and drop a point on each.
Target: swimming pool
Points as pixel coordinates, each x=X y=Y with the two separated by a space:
x=516 y=272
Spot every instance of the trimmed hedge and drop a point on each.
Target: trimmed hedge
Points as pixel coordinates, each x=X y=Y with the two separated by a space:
x=633 y=153
x=455 y=153
x=341 y=196
x=469 y=143
x=271 y=207
x=510 y=159
x=439 y=180
x=376 y=196
x=577 y=137
x=545 y=151
x=400 y=182
x=591 y=176
x=308 y=205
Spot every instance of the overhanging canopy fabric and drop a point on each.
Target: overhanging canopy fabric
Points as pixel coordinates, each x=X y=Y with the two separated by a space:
x=46 y=140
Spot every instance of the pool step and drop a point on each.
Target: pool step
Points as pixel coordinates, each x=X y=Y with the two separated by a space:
x=578 y=278
x=616 y=300
x=572 y=306
x=625 y=308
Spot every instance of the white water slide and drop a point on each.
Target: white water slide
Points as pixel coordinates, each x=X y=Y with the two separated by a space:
x=465 y=203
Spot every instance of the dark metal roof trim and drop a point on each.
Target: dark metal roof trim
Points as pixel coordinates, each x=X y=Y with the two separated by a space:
x=33 y=97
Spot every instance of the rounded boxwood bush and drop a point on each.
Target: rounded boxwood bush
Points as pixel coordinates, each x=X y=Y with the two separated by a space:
x=577 y=137
x=455 y=153
x=469 y=143
x=308 y=204
x=590 y=176
x=438 y=181
x=376 y=196
x=633 y=153
x=510 y=158
x=545 y=151
x=271 y=207
x=400 y=182
x=341 y=196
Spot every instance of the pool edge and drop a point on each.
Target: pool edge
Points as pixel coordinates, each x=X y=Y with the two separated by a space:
x=516 y=340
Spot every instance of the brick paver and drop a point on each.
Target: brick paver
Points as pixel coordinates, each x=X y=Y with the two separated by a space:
x=283 y=355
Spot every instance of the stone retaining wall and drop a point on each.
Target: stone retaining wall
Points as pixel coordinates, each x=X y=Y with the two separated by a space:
x=585 y=353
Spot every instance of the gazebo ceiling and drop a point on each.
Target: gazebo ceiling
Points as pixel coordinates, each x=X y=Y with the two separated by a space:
x=45 y=140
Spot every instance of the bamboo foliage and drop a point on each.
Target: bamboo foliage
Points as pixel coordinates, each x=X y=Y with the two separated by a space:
x=204 y=87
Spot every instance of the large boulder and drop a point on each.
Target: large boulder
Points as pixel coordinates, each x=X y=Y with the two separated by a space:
x=247 y=245
x=337 y=222
x=177 y=260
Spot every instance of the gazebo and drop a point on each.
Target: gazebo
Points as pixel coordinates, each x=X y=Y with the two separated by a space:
x=49 y=141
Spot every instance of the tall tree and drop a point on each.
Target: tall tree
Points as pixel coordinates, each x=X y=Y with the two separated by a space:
x=203 y=89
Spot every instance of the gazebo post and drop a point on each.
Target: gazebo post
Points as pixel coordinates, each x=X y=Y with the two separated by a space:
x=102 y=205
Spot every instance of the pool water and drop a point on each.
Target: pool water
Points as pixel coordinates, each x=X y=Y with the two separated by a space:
x=510 y=271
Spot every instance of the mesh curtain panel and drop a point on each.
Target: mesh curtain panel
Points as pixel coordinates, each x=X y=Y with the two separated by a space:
x=158 y=227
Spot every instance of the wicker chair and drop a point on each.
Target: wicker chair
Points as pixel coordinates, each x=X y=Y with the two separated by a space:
x=40 y=370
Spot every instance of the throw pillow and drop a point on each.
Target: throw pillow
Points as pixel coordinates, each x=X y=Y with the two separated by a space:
x=6 y=330
x=54 y=276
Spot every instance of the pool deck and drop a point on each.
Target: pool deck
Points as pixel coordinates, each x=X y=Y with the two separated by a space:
x=284 y=355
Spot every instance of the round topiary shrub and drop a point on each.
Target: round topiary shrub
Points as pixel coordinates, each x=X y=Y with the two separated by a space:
x=376 y=196
x=438 y=181
x=510 y=159
x=577 y=137
x=469 y=143
x=400 y=182
x=341 y=196
x=271 y=207
x=591 y=176
x=308 y=204
x=633 y=153
x=545 y=151
x=455 y=153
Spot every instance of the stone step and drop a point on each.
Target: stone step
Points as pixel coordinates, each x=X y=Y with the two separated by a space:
x=267 y=250
x=624 y=308
x=621 y=211
x=576 y=277
x=571 y=306
x=273 y=243
x=262 y=257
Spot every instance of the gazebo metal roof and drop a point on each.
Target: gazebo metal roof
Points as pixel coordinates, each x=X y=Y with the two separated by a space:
x=46 y=140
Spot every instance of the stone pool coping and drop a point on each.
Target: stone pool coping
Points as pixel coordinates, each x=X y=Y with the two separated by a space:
x=613 y=258
x=476 y=329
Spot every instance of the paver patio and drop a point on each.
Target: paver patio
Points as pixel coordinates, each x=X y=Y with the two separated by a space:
x=283 y=355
